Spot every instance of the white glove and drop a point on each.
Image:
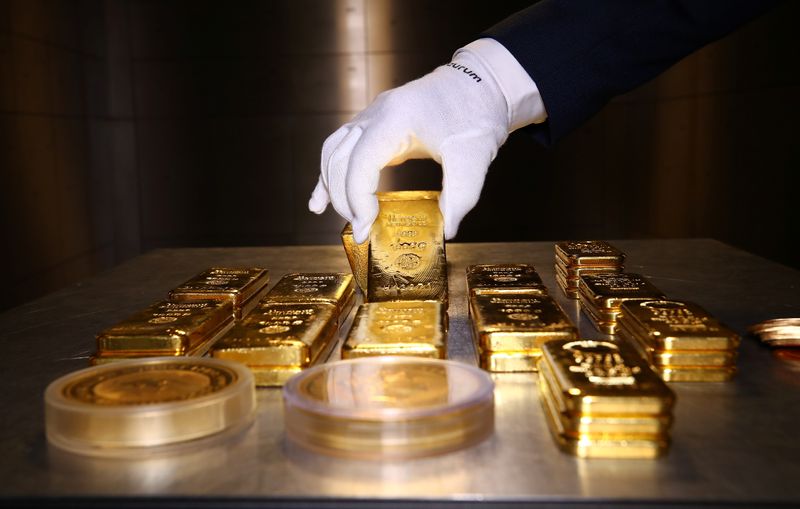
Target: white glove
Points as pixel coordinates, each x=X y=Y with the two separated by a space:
x=457 y=115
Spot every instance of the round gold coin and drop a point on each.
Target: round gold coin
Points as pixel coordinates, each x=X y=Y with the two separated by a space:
x=122 y=407
x=389 y=407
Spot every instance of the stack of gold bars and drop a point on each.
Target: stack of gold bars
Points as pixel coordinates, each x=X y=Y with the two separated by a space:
x=294 y=327
x=199 y=312
x=681 y=340
x=602 y=400
x=575 y=258
x=402 y=271
x=601 y=296
x=512 y=316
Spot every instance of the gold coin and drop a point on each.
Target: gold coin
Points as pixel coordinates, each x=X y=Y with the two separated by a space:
x=149 y=384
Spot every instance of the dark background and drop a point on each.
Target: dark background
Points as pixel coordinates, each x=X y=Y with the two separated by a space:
x=128 y=125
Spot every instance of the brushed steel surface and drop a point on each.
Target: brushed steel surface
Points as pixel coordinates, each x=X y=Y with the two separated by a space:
x=733 y=442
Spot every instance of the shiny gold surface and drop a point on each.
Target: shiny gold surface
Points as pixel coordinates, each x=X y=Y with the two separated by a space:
x=677 y=325
x=412 y=328
x=585 y=445
x=357 y=256
x=604 y=321
x=498 y=278
x=518 y=321
x=167 y=328
x=406 y=249
x=602 y=377
x=510 y=362
x=589 y=252
x=389 y=407
x=117 y=408
x=335 y=288
x=280 y=334
x=273 y=376
x=569 y=289
x=696 y=374
x=242 y=286
x=609 y=291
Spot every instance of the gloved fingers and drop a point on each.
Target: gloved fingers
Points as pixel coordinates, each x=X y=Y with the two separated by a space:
x=337 y=172
x=319 y=198
x=465 y=161
x=375 y=150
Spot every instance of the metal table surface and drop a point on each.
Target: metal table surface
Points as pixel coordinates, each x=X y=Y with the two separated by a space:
x=732 y=443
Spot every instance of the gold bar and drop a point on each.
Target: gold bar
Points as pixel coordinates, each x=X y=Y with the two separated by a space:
x=519 y=321
x=605 y=322
x=603 y=377
x=335 y=288
x=413 y=328
x=243 y=287
x=273 y=376
x=167 y=329
x=510 y=362
x=677 y=325
x=598 y=446
x=609 y=291
x=406 y=249
x=499 y=278
x=589 y=252
x=281 y=334
x=357 y=256
x=695 y=358
x=681 y=374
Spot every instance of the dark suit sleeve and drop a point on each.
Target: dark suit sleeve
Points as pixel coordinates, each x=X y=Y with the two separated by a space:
x=582 y=53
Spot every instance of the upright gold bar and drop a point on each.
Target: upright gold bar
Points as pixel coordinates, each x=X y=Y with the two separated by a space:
x=406 y=249
x=603 y=377
x=589 y=253
x=357 y=256
x=676 y=325
x=335 y=288
x=499 y=278
x=412 y=327
x=286 y=335
x=166 y=328
x=521 y=321
x=243 y=287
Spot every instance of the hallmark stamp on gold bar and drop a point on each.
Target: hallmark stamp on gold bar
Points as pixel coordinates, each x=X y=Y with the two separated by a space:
x=414 y=328
x=335 y=288
x=609 y=291
x=589 y=252
x=406 y=249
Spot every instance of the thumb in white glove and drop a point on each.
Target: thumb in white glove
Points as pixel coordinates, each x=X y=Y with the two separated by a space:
x=457 y=115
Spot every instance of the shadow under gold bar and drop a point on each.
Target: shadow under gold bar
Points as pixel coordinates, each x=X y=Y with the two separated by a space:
x=603 y=377
x=499 y=278
x=243 y=287
x=335 y=288
x=412 y=328
x=166 y=328
x=519 y=321
x=280 y=339
x=357 y=256
x=406 y=249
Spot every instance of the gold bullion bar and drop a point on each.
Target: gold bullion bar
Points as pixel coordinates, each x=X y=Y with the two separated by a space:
x=695 y=358
x=569 y=289
x=357 y=256
x=510 y=362
x=589 y=252
x=413 y=328
x=335 y=288
x=677 y=325
x=273 y=376
x=498 y=278
x=604 y=322
x=281 y=334
x=406 y=249
x=609 y=291
x=684 y=374
x=590 y=447
x=520 y=321
x=244 y=287
x=166 y=328
x=603 y=377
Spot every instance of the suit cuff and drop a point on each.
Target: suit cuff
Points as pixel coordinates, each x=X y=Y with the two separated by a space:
x=524 y=102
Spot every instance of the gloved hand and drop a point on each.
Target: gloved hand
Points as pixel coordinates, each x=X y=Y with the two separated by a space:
x=457 y=115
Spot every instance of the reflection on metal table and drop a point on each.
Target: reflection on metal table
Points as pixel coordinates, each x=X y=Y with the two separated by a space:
x=732 y=443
